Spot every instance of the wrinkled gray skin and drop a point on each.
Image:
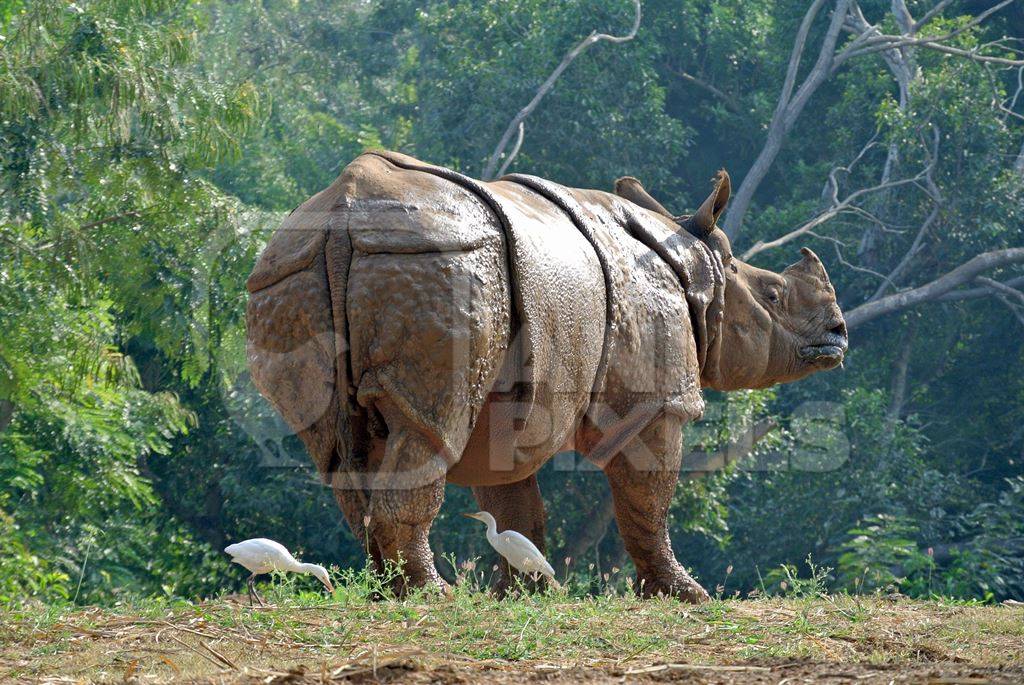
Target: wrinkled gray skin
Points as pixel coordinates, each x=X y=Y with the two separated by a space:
x=414 y=326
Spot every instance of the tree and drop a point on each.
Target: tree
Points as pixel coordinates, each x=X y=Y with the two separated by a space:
x=99 y=120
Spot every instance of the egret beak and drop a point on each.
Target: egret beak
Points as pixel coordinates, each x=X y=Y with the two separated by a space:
x=470 y=516
x=330 y=588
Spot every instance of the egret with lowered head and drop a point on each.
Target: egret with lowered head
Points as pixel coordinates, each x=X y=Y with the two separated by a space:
x=260 y=555
x=517 y=549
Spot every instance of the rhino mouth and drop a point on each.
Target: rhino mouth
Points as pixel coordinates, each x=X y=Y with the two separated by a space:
x=828 y=352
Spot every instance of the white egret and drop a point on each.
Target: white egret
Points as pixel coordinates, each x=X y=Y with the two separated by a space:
x=517 y=549
x=260 y=555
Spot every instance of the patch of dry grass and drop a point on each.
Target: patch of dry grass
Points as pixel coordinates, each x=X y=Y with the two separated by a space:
x=304 y=637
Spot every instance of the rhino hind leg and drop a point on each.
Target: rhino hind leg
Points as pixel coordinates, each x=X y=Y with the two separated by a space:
x=515 y=506
x=405 y=496
x=643 y=478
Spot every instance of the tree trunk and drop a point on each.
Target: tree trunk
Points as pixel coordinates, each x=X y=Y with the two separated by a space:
x=901 y=367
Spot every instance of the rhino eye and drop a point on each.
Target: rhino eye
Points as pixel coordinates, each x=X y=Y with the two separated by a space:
x=772 y=295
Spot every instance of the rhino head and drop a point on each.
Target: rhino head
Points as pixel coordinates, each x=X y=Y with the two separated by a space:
x=776 y=327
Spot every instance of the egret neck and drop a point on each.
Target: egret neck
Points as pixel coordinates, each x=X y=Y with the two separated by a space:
x=492 y=525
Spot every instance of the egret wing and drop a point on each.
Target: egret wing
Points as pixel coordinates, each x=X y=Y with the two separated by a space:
x=523 y=555
x=260 y=555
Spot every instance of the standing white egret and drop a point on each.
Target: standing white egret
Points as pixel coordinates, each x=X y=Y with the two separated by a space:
x=260 y=555
x=517 y=549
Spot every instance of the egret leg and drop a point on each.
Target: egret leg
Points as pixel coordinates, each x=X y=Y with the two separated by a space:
x=252 y=592
x=643 y=478
x=519 y=507
x=406 y=496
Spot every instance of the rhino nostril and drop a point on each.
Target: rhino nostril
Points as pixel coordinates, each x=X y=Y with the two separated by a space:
x=839 y=329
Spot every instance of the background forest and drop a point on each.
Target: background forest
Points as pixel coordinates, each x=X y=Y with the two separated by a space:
x=147 y=148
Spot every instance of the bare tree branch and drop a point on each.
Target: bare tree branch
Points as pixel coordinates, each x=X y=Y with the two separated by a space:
x=965 y=273
x=838 y=245
x=1013 y=307
x=900 y=64
x=901 y=370
x=549 y=83
x=728 y=100
x=880 y=41
x=931 y=14
x=932 y=44
x=1002 y=288
x=515 y=150
x=837 y=206
x=868 y=39
x=976 y=293
x=918 y=244
x=789 y=107
x=133 y=214
x=914 y=251
x=1009 y=106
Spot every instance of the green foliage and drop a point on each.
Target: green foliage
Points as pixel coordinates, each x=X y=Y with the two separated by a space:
x=148 y=148
x=458 y=51
x=882 y=554
x=101 y=120
x=24 y=573
x=788 y=581
x=982 y=554
x=989 y=559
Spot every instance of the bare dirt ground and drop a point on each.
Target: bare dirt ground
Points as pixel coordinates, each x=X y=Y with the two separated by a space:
x=473 y=638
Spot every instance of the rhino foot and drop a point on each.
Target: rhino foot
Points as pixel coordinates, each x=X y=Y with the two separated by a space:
x=673 y=583
x=432 y=584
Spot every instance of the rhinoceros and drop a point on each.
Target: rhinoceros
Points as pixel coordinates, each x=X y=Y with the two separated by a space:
x=416 y=326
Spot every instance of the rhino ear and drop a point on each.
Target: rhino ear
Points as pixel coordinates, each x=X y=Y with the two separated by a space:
x=703 y=221
x=810 y=264
x=631 y=189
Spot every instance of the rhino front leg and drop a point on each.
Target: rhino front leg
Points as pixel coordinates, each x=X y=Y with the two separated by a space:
x=643 y=478
x=407 y=492
x=518 y=507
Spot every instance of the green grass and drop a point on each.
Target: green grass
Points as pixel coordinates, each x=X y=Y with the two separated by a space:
x=613 y=632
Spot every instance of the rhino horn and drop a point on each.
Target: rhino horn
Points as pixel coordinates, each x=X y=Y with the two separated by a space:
x=631 y=189
x=703 y=221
